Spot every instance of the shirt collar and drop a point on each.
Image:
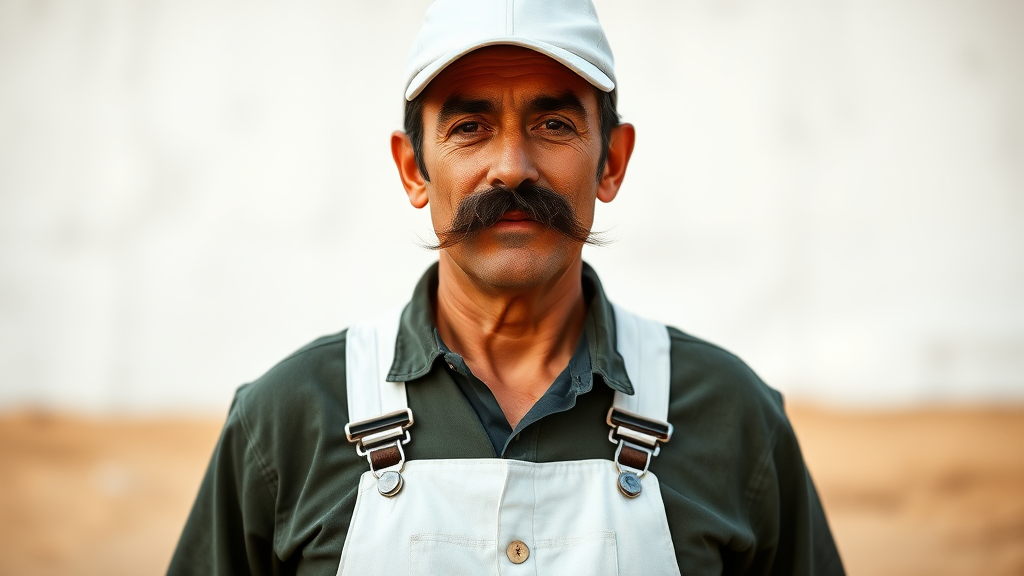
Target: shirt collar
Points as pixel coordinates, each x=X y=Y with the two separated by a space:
x=416 y=348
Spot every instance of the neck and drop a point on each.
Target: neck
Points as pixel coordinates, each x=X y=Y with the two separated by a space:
x=515 y=341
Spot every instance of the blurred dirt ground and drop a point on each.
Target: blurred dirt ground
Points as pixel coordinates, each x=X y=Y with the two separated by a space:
x=908 y=493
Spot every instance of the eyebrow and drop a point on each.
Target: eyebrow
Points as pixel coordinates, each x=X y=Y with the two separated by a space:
x=566 y=101
x=456 y=105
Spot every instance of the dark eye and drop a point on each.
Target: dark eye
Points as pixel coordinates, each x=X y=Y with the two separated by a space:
x=555 y=125
x=468 y=127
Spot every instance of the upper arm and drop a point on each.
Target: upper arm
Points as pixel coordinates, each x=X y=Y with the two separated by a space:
x=230 y=530
x=786 y=513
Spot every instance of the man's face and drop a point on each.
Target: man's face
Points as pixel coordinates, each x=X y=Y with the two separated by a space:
x=502 y=116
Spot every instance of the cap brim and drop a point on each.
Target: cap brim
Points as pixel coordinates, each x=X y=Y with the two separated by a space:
x=585 y=69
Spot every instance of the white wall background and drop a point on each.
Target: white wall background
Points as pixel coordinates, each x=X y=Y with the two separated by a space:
x=191 y=190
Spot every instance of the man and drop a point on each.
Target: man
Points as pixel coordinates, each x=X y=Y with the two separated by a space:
x=509 y=419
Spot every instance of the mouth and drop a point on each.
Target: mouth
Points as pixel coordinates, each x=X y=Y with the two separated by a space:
x=515 y=221
x=515 y=216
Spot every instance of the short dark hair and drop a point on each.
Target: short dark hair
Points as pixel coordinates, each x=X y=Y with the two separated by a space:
x=607 y=111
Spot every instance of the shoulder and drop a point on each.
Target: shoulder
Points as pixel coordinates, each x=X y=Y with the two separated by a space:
x=727 y=421
x=710 y=376
x=307 y=380
x=298 y=407
x=283 y=454
x=733 y=466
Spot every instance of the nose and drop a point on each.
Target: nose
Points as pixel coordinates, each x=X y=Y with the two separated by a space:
x=513 y=161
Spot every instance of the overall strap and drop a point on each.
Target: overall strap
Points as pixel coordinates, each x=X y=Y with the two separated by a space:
x=378 y=411
x=369 y=352
x=644 y=346
x=639 y=422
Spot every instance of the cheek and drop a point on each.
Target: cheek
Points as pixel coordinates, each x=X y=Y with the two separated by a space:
x=575 y=175
x=572 y=164
x=444 y=193
x=453 y=176
x=440 y=205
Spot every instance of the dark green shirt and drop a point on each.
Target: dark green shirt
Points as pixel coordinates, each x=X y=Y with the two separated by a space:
x=281 y=487
x=561 y=395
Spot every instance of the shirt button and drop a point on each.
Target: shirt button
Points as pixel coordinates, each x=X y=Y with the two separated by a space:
x=517 y=552
x=450 y=365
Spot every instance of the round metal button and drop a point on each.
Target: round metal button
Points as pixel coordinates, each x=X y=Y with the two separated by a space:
x=517 y=552
x=390 y=483
x=629 y=484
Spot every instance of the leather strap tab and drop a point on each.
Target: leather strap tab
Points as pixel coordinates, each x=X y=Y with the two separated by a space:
x=633 y=458
x=384 y=457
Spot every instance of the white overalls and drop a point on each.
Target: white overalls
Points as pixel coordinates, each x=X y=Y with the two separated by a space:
x=492 y=516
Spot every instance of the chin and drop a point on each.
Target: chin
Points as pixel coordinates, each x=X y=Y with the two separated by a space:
x=519 y=268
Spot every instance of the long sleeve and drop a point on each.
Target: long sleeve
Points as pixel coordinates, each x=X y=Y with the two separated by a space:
x=230 y=529
x=793 y=533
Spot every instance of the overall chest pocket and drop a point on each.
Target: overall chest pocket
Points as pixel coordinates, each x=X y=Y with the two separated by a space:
x=591 y=554
x=447 y=555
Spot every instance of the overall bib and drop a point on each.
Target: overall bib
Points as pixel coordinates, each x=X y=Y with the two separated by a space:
x=491 y=516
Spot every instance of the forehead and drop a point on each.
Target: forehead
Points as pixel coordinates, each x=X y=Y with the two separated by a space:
x=495 y=71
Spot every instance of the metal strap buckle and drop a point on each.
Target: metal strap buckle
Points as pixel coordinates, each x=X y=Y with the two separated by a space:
x=380 y=440
x=638 y=440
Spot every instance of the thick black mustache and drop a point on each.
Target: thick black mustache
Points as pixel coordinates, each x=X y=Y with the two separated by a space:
x=483 y=209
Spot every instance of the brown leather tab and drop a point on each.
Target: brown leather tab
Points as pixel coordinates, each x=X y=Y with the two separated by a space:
x=633 y=458
x=383 y=457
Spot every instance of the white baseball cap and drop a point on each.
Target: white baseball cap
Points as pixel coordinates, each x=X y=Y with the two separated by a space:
x=566 y=30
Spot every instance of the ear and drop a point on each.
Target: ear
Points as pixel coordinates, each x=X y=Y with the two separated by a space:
x=620 y=149
x=405 y=160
